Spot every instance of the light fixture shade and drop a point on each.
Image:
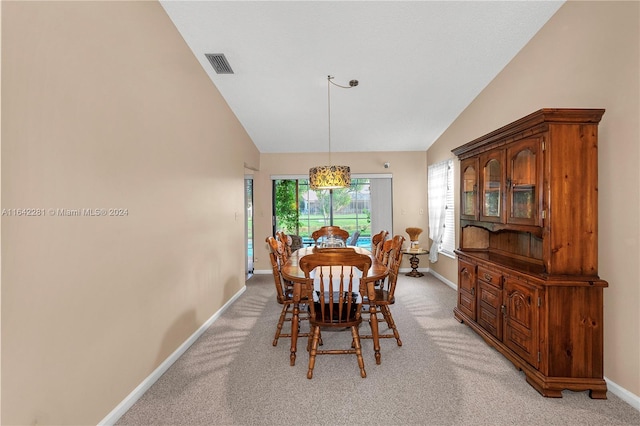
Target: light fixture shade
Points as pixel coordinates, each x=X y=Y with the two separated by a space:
x=329 y=177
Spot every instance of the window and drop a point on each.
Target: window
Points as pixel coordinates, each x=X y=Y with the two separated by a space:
x=449 y=238
x=248 y=227
x=363 y=207
x=441 y=209
x=348 y=208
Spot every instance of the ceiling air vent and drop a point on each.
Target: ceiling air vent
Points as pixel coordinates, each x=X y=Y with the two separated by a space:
x=219 y=63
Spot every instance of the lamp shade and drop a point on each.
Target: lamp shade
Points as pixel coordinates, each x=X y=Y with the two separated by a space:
x=414 y=233
x=329 y=177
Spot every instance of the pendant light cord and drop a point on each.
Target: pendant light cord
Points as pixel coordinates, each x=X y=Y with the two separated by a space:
x=352 y=83
x=329 y=113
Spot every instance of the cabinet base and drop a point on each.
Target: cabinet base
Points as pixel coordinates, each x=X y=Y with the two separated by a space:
x=550 y=387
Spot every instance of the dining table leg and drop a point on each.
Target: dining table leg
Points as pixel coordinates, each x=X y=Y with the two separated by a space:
x=295 y=325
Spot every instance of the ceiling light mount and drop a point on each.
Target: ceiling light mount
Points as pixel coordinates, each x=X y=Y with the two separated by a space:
x=352 y=83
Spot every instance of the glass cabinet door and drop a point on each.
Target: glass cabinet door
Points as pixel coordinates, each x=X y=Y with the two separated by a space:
x=523 y=186
x=469 y=189
x=492 y=183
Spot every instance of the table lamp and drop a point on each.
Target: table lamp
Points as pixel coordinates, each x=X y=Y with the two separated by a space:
x=414 y=233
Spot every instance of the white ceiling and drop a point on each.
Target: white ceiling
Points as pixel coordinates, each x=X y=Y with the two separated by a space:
x=419 y=64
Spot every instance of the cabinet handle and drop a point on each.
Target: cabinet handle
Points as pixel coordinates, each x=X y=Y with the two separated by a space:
x=503 y=308
x=473 y=291
x=487 y=277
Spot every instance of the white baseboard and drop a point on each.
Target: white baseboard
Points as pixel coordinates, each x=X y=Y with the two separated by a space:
x=131 y=399
x=628 y=397
x=435 y=274
x=262 y=271
x=444 y=280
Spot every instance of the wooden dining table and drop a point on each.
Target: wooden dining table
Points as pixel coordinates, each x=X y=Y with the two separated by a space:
x=291 y=271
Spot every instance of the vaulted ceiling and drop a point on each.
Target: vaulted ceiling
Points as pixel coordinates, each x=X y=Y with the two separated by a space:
x=418 y=63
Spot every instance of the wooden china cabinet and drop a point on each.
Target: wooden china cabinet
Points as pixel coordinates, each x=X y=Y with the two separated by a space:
x=528 y=255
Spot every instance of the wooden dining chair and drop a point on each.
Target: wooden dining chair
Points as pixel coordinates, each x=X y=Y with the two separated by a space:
x=285 y=253
x=387 y=250
x=378 y=298
x=284 y=295
x=326 y=231
x=332 y=280
x=286 y=242
x=384 y=256
x=376 y=243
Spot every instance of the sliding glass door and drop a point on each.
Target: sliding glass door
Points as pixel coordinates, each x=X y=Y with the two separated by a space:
x=364 y=207
x=248 y=227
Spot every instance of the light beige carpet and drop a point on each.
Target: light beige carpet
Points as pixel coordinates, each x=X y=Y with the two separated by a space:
x=444 y=374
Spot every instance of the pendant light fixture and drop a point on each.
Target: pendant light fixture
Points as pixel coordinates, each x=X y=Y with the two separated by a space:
x=331 y=176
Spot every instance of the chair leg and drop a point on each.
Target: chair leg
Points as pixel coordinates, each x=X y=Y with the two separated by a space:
x=313 y=351
x=375 y=333
x=356 y=340
x=392 y=325
x=311 y=338
x=283 y=314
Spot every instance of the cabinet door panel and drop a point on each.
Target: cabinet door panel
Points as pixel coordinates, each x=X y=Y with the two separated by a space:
x=492 y=186
x=469 y=189
x=467 y=304
x=467 y=288
x=524 y=182
x=521 y=319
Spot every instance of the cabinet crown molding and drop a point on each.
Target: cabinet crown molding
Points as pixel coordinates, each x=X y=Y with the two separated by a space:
x=528 y=126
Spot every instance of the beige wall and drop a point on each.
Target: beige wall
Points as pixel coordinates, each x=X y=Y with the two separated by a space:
x=409 y=179
x=586 y=56
x=0 y=221
x=104 y=106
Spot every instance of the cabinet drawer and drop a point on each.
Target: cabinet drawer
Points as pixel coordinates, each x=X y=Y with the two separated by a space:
x=489 y=303
x=490 y=319
x=490 y=277
x=490 y=295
